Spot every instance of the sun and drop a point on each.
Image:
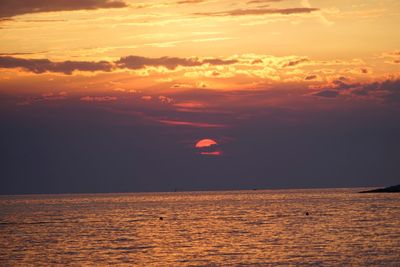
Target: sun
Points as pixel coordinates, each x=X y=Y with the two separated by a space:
x=205 y=143
x=208 y=147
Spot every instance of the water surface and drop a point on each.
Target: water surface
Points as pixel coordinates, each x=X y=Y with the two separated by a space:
x=266 y=228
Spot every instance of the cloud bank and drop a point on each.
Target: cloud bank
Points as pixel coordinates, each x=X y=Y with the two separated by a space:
x=44 y=65
x=260 y=11
x=130 y=62
x=20 y=7
x=137 y=62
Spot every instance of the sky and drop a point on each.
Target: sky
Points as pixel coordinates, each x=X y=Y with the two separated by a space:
x=132 y=96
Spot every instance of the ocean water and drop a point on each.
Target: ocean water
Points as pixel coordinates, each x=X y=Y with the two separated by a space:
x=231 y=228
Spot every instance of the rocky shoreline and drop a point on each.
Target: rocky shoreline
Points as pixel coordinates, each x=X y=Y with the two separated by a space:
x=390 y=189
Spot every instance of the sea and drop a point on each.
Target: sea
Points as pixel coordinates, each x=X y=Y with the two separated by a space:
x=309 y=227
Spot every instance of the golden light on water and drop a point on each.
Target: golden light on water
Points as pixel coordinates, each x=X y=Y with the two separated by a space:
x=222 y=228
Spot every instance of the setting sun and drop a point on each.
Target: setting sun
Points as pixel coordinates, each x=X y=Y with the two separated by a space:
x=205 y=143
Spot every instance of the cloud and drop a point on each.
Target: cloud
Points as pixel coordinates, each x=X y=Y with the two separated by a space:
x=130 y=62
x=20 y=7
x=138 y=62
x=218 y=61
x=326 y=93
x=20 y=54
x=311 y=77
x=260 y=11
x=387 y=90
x=192 y=124
x=189 y=104
x=393 y=56
x=168 y=4
x=45 y=65
x=98 y=98
x=147 y=97
x=44 y=97
x=295 y=62
x=182 y=2
x=262 y=1
x=341 y=84
x=165 y=99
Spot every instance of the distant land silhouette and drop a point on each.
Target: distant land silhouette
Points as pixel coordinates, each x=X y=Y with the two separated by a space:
x=390 y=189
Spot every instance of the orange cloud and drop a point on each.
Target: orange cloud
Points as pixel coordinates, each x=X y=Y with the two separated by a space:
x=214 y=153
x=165 y=99
x=189 y=105
x=147 y=97
x=98 y=98
x=260 y=11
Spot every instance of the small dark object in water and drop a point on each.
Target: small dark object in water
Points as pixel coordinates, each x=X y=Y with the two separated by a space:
x=161 y=218
x=307 y=213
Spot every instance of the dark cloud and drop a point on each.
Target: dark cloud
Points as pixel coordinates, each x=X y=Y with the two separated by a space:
x=14 y=8
x=295 y=62
x=138 y=62
x=388 y=90
x=182 y=2
x=130 y=62
x=45 y=65
x=311 y=77
x=260 y=11
x=218 y=61
x=341 y=84
x=44 y=97
x=20 y=54
x=327 y=93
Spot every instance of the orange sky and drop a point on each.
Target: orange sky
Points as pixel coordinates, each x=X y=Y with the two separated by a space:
x=108 y=46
